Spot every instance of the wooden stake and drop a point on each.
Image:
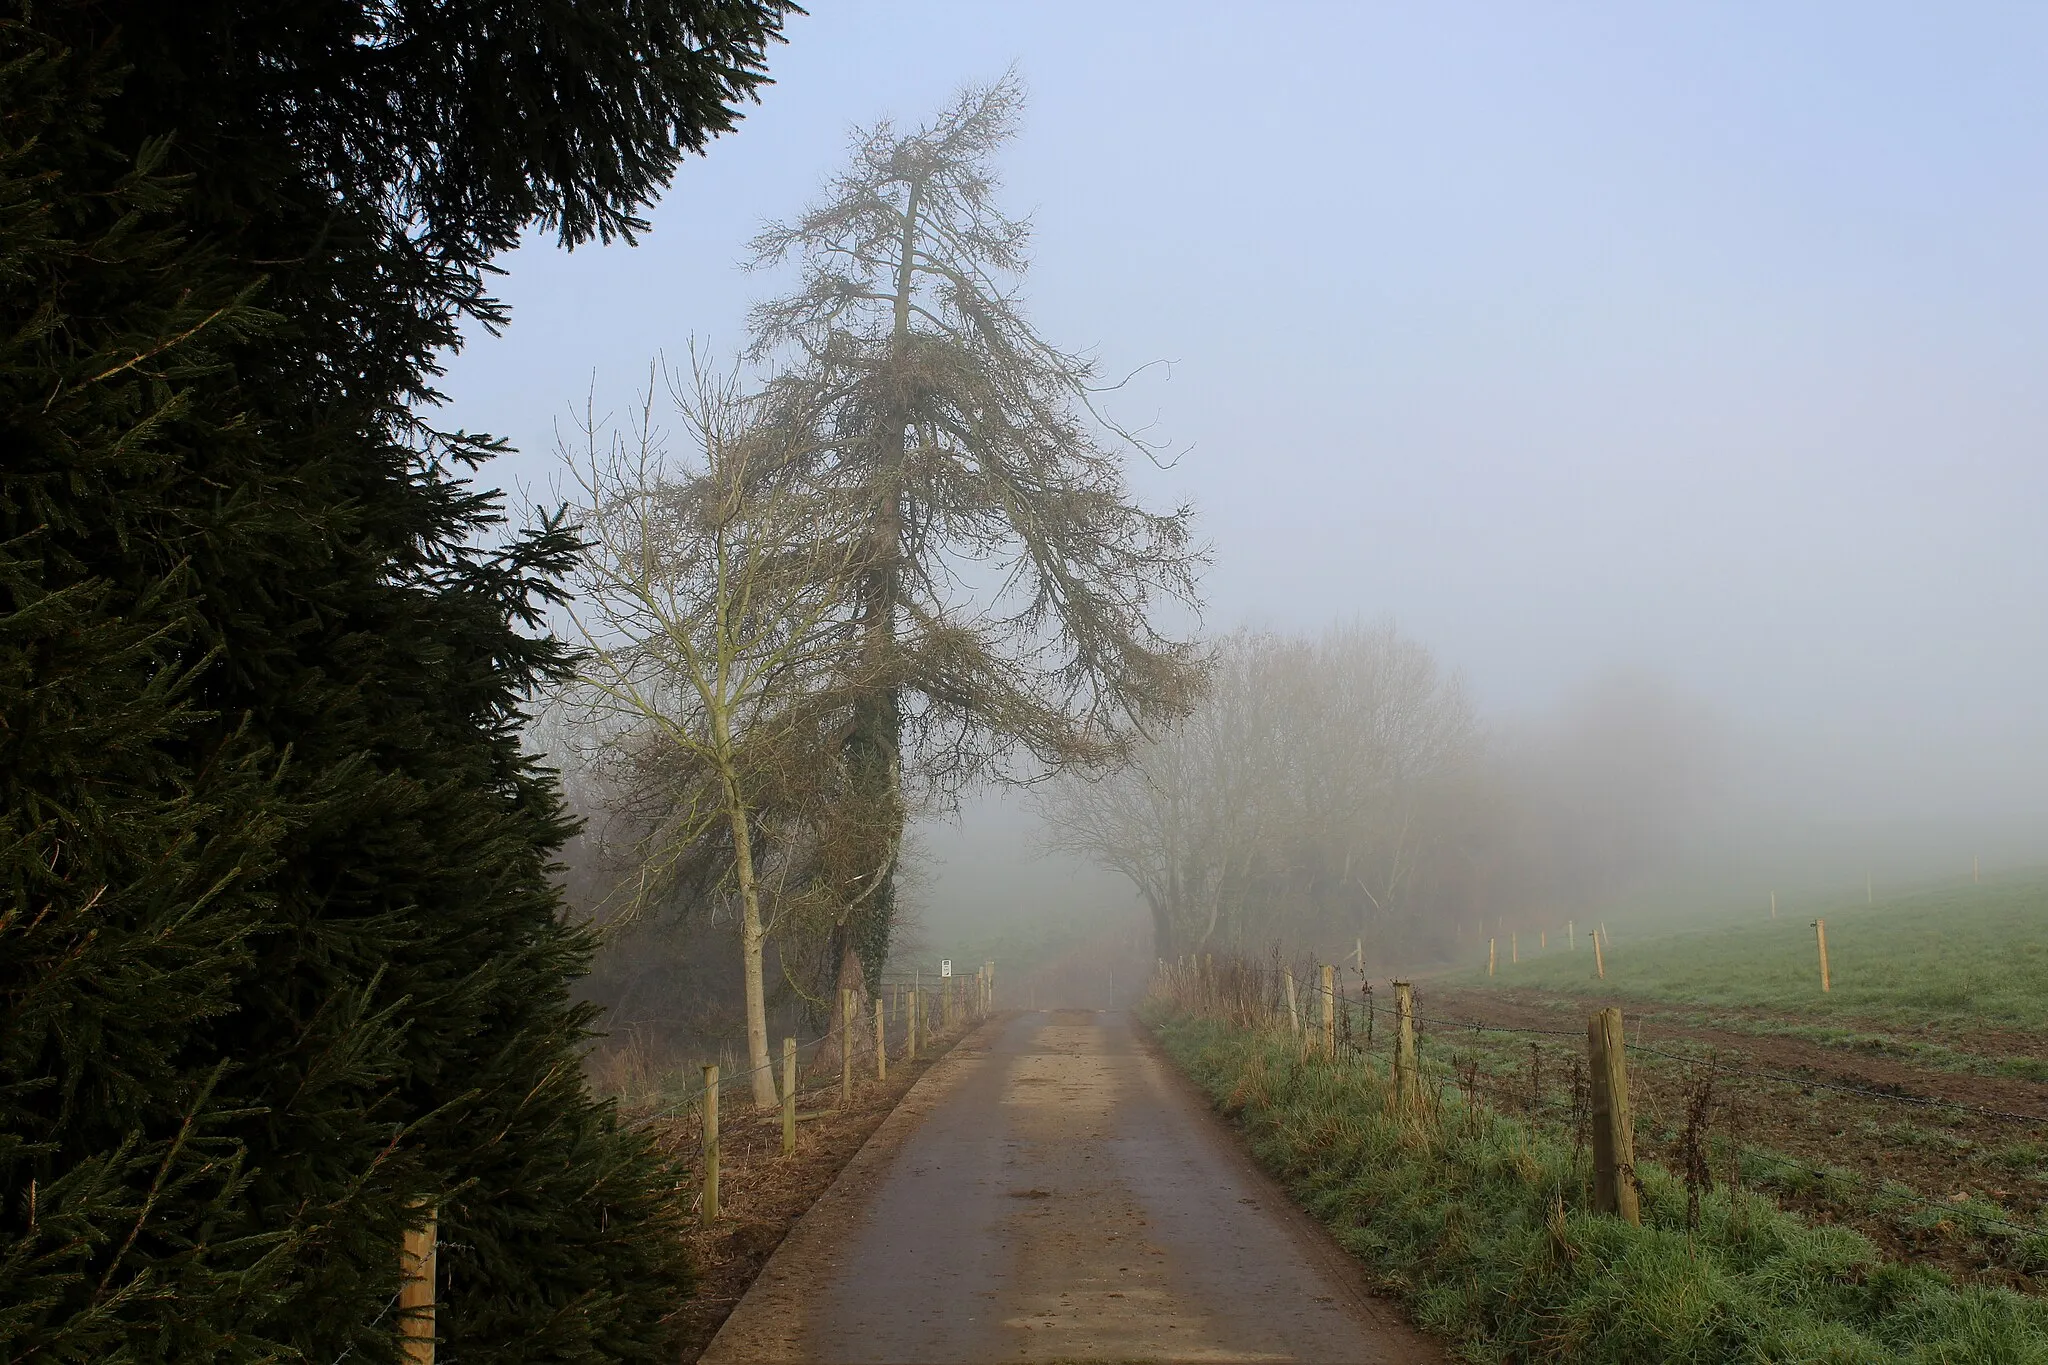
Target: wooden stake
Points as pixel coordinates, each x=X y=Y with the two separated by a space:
x=845 y=1048
x=710 y=1210
x=915 y=1011
x=1774 y=905
x=1514 y=948
x=1614 y=1141
x=1820 y=933
x=1329 y=1010
x=1293 y=1006
x=418 y=1261
x=1599 y=959
x=1543 y=940
x=1407 y=1087
x=1489 y=956
x=788 y=1096
x=881 y=1043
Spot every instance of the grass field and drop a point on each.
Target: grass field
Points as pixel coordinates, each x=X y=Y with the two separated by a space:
x=1480 y=1220
x=1962 y=958
x=1903 y=1101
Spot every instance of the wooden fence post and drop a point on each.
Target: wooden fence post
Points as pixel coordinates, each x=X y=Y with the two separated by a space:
x=1614 y=1140
x=914 y=1006
x=1515 y=947
x=845 y=1047
x=1329 y=1010
x=881 y=1043
x=1293 y=1005
x=1820 y=933
x=1407 y=1087
x=418 y=1256
x=710 y=1145
x=1571 y=936
x=1490 y=946
x=1599 y=958
x=788 y=1096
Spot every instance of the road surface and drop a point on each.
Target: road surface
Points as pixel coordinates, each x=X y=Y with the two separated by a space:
x=1054 y=1191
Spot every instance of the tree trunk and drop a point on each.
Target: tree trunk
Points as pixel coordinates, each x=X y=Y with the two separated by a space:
x=752 y=936
x=874 y=747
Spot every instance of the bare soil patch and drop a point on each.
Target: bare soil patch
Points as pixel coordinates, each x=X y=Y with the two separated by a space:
x=1938 y=1155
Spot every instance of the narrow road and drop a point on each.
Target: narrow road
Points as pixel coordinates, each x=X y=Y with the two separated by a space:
x=1053 y=1191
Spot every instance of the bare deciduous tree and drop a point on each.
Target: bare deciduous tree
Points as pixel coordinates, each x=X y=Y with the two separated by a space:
x=717 y=645
x=1297 y=796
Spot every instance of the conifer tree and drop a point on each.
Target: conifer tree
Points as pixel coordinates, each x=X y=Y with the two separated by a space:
x=1006 y=592
x=280 y=959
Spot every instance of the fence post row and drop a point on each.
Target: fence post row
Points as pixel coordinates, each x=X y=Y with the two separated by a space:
x=418 y=1255
x=710 y=1145
x=1614 y=1143
x=788 y=1096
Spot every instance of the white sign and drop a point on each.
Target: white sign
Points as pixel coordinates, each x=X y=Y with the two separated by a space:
x=946 y=966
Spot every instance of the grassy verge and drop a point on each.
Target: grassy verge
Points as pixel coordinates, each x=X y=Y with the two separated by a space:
x=1481 y=1223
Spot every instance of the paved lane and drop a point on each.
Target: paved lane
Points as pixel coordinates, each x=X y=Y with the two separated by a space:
x=1058 y=1194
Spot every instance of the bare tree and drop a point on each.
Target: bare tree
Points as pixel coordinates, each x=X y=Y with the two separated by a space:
x=717 y=644
x=1006 y=583
x=1299 y=797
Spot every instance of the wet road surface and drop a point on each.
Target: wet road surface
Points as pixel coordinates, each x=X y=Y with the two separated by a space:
x=1053 y=1191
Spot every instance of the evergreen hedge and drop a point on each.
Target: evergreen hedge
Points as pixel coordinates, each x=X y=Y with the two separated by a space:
x=279 y=951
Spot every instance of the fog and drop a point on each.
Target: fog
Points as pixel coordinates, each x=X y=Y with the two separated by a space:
x=1701 y=344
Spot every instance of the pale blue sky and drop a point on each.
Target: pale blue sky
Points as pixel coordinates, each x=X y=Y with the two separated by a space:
x=1707 y=339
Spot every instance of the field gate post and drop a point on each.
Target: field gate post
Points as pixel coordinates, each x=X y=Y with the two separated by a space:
x=710 y=1210
x=1614 y=1142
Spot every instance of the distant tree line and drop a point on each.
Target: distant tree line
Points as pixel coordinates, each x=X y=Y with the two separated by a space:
x=1342 y=788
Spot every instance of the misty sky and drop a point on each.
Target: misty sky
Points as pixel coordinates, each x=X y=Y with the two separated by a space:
x=1708 y=340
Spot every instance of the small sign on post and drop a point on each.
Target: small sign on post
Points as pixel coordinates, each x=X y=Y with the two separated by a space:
x=945 y=966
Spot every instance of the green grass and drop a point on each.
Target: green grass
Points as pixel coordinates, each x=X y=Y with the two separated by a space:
x=1961 y=956
x=1480 y=1223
